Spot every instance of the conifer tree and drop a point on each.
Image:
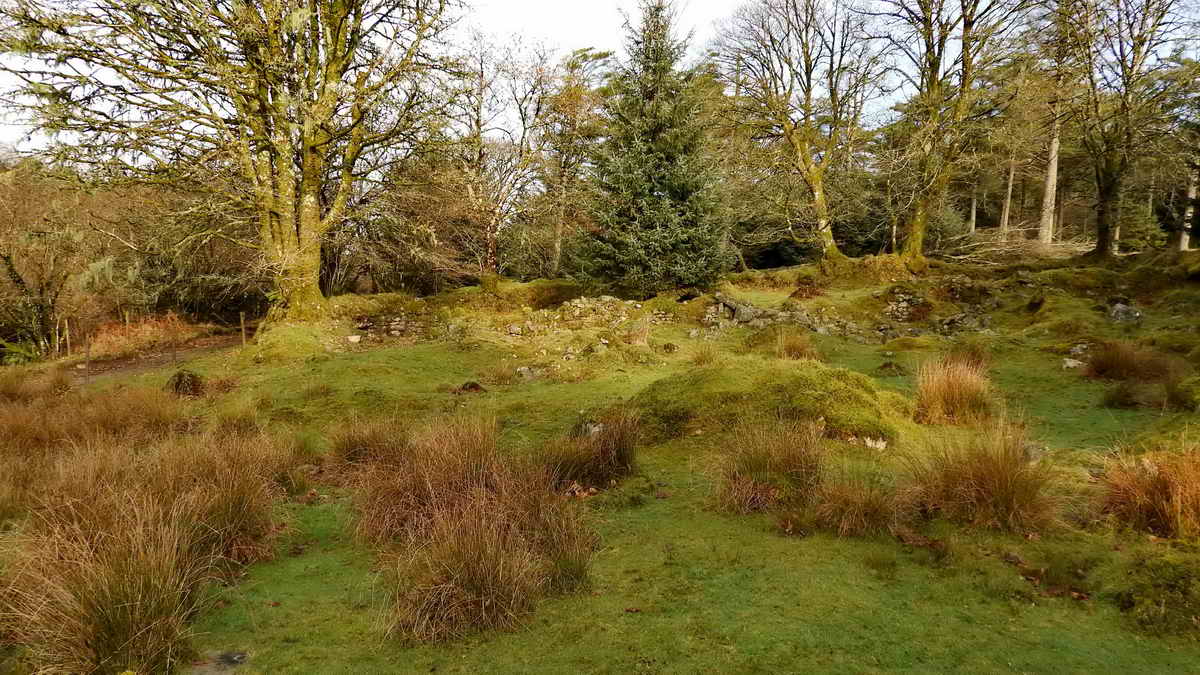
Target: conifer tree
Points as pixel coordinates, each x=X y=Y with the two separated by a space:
x=655 y=207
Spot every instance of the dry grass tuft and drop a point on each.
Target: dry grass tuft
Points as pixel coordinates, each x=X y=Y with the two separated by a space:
x=122 y=602
x=597 y=453
x=362 y=441
x=25 y=385
x=706 y=355
x=770 y=466
x=853 y=504
x=481 y=537
x=986 y=479
x=1157 y=492
x=791 y=344
x=1120 y=360
x=473 y=572
x=973 y=353
x=953 y=391
x=123 y=514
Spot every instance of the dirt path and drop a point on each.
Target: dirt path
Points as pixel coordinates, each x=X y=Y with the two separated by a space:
x=138 y=363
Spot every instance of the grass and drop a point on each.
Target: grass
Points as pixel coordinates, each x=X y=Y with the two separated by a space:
x=671 y=585
x=986 y=479
x=124 y=515
x=770 y=466
x=472 y=539
x=116 y=340
x=25 y=385
x=1157 y=492
x=597 y=453
x=953 y=390
x=1123 y=360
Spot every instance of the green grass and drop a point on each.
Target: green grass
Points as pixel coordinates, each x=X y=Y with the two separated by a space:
x=676 y=586
x=711 y=593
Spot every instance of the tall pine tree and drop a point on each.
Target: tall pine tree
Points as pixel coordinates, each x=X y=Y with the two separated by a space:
x=655 y=208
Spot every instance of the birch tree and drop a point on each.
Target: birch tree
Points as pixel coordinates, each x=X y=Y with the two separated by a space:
x=302 y=97
x=802 y=72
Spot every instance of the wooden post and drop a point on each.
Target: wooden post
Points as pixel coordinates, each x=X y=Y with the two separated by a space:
x=242 y=318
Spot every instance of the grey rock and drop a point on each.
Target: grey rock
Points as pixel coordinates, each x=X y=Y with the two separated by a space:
x=1072 y=364
x=1123 y=313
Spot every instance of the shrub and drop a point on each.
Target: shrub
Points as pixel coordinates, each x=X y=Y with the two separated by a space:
x=771 y=465
x=855 y=503
x=953 y=391
x=986 y=479
x=1118 y=360
x=1157 y=492
x=597 y=453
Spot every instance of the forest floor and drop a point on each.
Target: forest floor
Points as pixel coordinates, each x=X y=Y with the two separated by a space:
x=678 y=586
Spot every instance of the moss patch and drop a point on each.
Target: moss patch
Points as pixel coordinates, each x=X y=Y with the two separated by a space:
x=748 y=387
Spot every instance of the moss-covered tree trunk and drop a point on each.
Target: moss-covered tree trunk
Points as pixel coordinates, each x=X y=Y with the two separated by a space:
x=1108 y=202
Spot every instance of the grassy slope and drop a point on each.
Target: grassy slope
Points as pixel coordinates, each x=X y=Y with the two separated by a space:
x=712 y=593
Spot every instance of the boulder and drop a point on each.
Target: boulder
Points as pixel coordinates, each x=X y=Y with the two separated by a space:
x=1123 y=313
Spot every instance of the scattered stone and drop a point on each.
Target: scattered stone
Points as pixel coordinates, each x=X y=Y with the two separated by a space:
x=1124 y=313
x=526 y=373
x=1080 y=349
x=906 y=305
x=1072 y=364
x=514 y=329
x=354 y=339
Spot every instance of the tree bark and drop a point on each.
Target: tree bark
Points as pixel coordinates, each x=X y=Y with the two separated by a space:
x=1005 y=218
x=973 y=217
x=1108 y=195
x=1189 y=213
x=1046 y=226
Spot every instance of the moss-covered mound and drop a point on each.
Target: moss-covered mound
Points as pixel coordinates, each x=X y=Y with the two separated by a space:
x=735 y=390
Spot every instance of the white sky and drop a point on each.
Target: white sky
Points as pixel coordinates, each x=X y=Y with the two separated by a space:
x=563 y=24
x=573 y=24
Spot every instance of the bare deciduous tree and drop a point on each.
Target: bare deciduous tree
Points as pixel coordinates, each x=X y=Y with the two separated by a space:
x=1132 y=83
x=295 y=92
x=802 y=72
x=945 y=45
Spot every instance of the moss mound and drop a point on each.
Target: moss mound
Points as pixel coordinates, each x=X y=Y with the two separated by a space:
x=736 y=390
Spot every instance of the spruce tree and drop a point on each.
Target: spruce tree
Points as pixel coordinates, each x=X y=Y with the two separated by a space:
x=655 y=207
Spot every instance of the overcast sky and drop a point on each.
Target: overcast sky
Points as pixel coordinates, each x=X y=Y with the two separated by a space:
x=573 y=24
x=565 y=24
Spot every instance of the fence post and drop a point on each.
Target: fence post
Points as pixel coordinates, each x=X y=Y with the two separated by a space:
x=242 y=317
